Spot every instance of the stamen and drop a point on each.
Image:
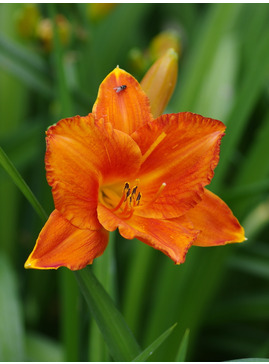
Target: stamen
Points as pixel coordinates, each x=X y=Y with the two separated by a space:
x=133 y=193
x=134 y=190
x=123 y=197
x=138 y=198
x=129 y=200
x=127 y=194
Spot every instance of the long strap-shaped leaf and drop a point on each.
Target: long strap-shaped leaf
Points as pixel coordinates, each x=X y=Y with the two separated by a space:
x=156 y=343
x=120 y=340
x=182 y=351
x=8 y=166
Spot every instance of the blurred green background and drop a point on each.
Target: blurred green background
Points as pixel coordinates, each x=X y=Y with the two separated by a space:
x=52 y=59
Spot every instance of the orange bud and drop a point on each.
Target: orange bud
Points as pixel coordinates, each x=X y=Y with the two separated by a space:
x=160 y=80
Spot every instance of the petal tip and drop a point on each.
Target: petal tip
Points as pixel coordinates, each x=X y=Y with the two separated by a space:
x=27 y=264
x=36 y=264
x=30 y=264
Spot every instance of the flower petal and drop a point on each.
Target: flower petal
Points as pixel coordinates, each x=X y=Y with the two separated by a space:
x=180 y=152
x=125 y=108
x=62 y=244
x=81 y=154
x=172 y=237
x=216 y=222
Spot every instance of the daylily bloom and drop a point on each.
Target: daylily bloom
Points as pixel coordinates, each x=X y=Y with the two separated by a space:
x=119 y=168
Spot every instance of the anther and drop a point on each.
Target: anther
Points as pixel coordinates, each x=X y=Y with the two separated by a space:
x=123 y=197
x=127 y=194
x=134 y=190
x=138 y=198
x=129 y=200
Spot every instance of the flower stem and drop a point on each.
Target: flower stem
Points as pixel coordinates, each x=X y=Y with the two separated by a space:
x=119 y=339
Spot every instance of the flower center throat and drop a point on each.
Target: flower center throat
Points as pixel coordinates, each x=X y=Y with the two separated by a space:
x=130 y=199
x=125 y=206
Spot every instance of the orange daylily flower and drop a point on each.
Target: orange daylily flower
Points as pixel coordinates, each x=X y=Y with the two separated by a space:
x=120 y=168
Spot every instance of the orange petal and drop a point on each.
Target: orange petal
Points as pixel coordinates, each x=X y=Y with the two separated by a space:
x=216 y=222
x=62 y=244
x=180 y=152
x=126 y=108
x=80 y=155
x=172 y=237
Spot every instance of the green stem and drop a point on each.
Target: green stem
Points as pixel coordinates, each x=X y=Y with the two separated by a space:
x=118 y=337
x=105 y=271
x=70 y=317
x=137 y=282
x=69 y=291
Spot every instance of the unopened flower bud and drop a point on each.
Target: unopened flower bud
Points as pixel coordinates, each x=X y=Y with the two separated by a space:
x=164 y=41
x=160 y=80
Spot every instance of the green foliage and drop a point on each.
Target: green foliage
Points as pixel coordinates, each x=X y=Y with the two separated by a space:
x=219 y=296
x=145 y=354
x=11 y=328
x=120 y=341
x=182 y=351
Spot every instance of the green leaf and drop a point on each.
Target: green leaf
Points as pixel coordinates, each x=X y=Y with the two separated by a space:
x=63 y=93
x=248 y=307
x=182 y=351
x=33 y=79
x=105 y=271
x=22 y=55
x=152 y=347
x=8 y=166
x=22 y=144
x=25 y=65
x=138 y=281
x=41 y=348
x=247 y=95
x=251 y=265
x=220 y=17
x=11 y=329
x=119 y=339
x=251 y=359
x=69 y=315
x=219 y=86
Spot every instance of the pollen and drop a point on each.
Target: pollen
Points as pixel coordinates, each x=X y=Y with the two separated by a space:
x=125 y=206
x=124 y=203
x=130 y=199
